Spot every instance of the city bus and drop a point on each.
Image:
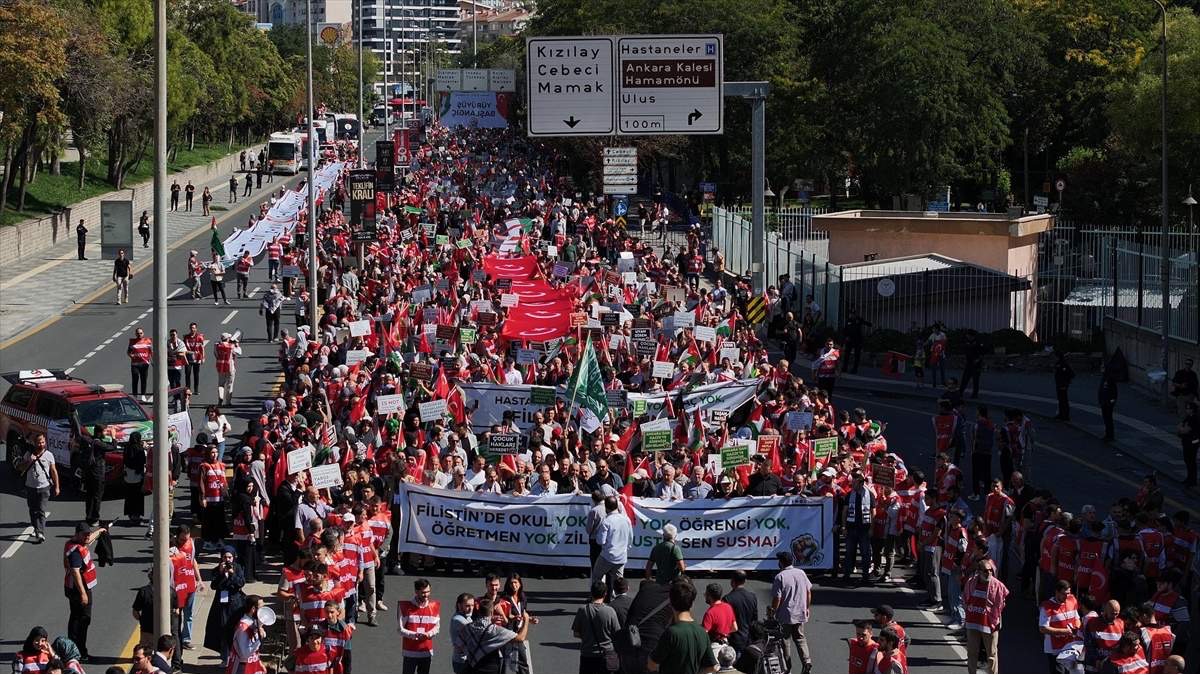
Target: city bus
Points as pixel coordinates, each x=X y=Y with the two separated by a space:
x=286 y=150
x=346 y=127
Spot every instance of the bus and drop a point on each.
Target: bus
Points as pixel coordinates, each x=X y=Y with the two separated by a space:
x=286 y=150
x=346 y=127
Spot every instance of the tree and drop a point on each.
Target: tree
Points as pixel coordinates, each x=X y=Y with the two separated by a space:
x=32 y=63
x=88 y=96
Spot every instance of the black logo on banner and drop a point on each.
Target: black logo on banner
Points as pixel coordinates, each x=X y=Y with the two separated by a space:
x=385 y=162
x=361 y=186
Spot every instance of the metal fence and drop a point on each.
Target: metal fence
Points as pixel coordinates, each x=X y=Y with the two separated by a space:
x=790 y=222
x=1090 y=272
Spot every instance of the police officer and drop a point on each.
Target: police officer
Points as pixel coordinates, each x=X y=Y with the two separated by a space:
x=81 y=238
x=1108 y=401
x=1063 y=374
x=93 y=466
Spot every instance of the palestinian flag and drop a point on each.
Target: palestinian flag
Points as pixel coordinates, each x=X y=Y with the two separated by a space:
x=756 y=422
x=727 y=327
x=215 y=243
x=691 y=355
x=696 y=439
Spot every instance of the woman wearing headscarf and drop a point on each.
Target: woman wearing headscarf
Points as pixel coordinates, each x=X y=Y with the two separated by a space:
x=228 y=601
x=247 y=515
x=68 y=653
x=135 y=473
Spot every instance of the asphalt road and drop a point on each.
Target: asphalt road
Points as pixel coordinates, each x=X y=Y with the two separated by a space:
x=1083 y=471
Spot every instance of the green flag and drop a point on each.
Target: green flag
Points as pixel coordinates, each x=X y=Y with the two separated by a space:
x=586 y=385
x=216 y=244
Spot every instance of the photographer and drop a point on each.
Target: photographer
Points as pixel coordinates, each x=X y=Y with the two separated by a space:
x=228 y=603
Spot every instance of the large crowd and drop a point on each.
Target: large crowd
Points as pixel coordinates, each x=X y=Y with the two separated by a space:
x=1114 y=592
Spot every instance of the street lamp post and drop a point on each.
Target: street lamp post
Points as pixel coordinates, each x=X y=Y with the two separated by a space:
x=161 y=474
x=1164 y=248
x=312 y=196
x=362 y=155
x=388 y=60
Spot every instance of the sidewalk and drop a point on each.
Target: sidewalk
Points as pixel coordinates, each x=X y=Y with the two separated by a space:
x=1145 y=430
x=55 y=281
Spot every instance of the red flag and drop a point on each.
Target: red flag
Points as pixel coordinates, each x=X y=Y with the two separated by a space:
x=626 y=439
x=280 y=474
x=626 y=497
x=358 y=409
x=441 y=387
x=424 y=347
x=456 y=406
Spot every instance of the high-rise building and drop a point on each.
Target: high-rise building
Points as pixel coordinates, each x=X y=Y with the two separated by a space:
x=410 y=39
x=289 y=12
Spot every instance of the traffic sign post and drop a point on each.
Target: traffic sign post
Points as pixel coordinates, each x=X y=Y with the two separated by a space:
x=620 y=171
x=670 y=84
x=570 y=84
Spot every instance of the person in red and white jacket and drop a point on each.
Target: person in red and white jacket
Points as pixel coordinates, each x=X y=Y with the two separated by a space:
x=247 y=640
x=418 y=621
x=140 y=351
x=79 y=582
x=213 y=493
x=226 y=351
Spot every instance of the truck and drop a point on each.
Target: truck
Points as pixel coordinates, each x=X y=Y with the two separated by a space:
x=287 y=151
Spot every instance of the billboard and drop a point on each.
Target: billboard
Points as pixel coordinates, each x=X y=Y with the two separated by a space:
x=476 y=109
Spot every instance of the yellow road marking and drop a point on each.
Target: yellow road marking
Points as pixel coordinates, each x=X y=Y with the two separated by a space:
x=1066 y=455
x=127 y=650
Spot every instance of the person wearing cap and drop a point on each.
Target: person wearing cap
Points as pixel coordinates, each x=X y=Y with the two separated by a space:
x=79 y=584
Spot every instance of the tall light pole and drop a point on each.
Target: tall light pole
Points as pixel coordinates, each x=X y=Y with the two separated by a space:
x=162 y=462
x=1164 y=248
x=474 y=35
x=388 y=53
x=312 y=195
x=362 y=155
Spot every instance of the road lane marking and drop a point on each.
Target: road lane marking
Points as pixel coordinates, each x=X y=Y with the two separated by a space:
x=105 y=343
x=117 y=334
x=80 y=362
x=27 y=533
x=68 y=371
x=90 y=354
x=127 y=650
x=174 y=293
x=251 y=293
x=1066 y=455
x=229 y=317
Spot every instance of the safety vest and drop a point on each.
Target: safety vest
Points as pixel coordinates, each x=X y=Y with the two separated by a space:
x=1158 y=642
x=1180 y=546
x=953 y=544
x=183 y=573
x=1015 y=438
x=424 y=619
x=88 y=572
x=337 y=643
x=242 y=266
x=312 y=660
x=1105 y=635
x=213 y=477
x=887 y=660
x=224 y=352
x=1051 y=536
x=975 y=607
x=1068 y=552
x=1154 y=546
x=1126 y=544
x=364 y=540
x=379 y=524
x=274 y=251
x=240 y=528
x=141 y=350
x=944 y=426
x=930 y=523
x=246 y=663
x=1063 y=614
x=862 y=656
x=195 y=347
x=38 y=662
x=347 y=565
x=1135 y=663
x=1164 y=603
x=827 y=366
x=993 y=512
x=312 y=603
x=1090 y=560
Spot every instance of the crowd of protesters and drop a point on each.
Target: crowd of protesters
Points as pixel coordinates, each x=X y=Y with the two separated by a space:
x=1114 y=591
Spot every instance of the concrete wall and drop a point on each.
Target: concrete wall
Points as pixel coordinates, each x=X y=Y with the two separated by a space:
x=849 y=246
x=22 y=241
x=1143 y=350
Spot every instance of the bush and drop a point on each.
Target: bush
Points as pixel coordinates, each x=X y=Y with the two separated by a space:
x=1013 y=341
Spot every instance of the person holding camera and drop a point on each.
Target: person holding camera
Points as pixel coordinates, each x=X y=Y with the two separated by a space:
x=227 y=582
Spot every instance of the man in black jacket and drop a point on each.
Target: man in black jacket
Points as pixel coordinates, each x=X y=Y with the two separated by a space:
x=93 y=466
x=745 y=610
x=1063 y=374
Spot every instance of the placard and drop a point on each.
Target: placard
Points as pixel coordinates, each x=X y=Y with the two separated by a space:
x=562 y=270
x=449 y=361
x=504 y=284
x=357 y=356
x=579 y=319
x=429 y=315
x=58 y=442
x=542 y=395
x=468 y=336
x=441 y=240
x=486 y=318
x=824 y=448
x=638 y=407
x=718 y=416
x=290 y=271
x=504 y=444
x=422 y=372
x=429 y=229
x=389 y=403
x=642 y=333
x=684 y=320
x=325 y=476
x=656 y=441
x=433 y=410
x=645 y=347
x=617 y=398
x=704 y=333
x=527 y=356
x=663 y=369
x=445 y=332
x=360 y=328
x=767 y=443
x=298 y=460
x=796 y=420
x=482 y=306
x=509 y=300
x=610 y=319
x=617 y=341
x=674 y=294
x=883 y=474
x=734 y=456
x=422 y=294
x=734 y=354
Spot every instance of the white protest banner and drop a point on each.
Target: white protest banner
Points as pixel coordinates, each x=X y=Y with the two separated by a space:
x=360 y=328
x=663 y=369
x=739 y=533
x=298 y=460
x=389 y=403
x=717 y=396
x=509 y=300
x=179 y=428
x=493 y=400
x=734 y=354
x=354 y=356
x=58 y=442
x=325 y=476
x=660 y=424
x=684 y=320
x=705 y=333
x=432 y=410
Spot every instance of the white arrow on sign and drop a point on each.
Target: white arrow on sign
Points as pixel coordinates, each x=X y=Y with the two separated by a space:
x=631 y=179
x=570 y=84
x=620 y=161
x=620 y=152
x=670 y=84
x=619 y=171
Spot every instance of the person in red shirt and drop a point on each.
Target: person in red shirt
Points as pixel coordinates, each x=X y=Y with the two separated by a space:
x=140 y=351
x=213 y=493
x=719 y=620
x=864 y=651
